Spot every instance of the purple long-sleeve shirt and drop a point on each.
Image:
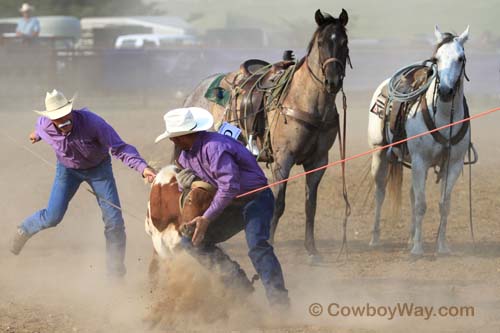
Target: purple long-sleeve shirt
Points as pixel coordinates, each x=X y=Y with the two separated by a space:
x=225 y=163
x=89 y=142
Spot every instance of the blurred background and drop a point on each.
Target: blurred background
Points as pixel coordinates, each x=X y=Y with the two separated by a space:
x=128 y=51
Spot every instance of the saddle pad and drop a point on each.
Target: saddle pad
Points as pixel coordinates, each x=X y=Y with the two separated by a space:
x=216 y=94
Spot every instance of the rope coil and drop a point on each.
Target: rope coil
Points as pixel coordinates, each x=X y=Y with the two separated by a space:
x=399 y=96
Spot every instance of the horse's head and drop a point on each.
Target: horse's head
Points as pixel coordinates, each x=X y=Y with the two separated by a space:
x=330 y=43
x=449 y=57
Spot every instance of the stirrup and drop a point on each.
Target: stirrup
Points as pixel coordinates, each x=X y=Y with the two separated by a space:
x=252 y=146
x=394 y=155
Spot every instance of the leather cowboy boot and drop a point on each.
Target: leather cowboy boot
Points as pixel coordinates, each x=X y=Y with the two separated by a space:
x=20 y=238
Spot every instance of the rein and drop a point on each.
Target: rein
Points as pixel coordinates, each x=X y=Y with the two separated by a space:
x=342 y=151
x=451 y=141
x=342 y=131
x=438 y=137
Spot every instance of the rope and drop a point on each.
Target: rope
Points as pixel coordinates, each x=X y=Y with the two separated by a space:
x=448 y=152
x=342 y=148
x=273 y=96
x=113 y=205
x=368 y=152
x=470 y=189
x=399 y=96
x=52 y=165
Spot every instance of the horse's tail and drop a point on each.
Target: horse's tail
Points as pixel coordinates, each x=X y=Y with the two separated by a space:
x=394 y=186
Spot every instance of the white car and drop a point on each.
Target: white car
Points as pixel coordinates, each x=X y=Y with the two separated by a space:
x=139 y=41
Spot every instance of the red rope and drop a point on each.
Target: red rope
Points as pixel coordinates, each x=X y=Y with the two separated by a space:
x=482 y=114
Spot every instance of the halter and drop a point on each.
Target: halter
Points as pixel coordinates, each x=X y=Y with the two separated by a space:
x=323 y=68
x=325 y=63
x=448 y=39
x=455 y=86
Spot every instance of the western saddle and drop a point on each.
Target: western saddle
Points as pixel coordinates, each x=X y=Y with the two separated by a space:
x=248 y=94
x=396 y=113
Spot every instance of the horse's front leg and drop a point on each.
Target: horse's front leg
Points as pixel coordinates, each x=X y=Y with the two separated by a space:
x=281 y=170
x=419 y=175
x=413 y=222
x=447 y=185
x=312 y=182
x=379 y=174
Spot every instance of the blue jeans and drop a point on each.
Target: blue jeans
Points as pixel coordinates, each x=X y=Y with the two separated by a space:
x=102 y=182
x=254 y=217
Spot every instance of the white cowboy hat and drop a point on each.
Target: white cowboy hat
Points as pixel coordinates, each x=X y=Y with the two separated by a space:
x=185 y=121
x=57 y=106
x=26 y=7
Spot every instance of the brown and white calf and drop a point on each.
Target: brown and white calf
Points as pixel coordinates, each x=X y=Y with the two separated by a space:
x=165 y=217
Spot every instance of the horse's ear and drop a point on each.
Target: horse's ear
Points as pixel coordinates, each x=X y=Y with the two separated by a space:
x=438 y=34
x=344 y=18
x=320 y=19
x=464 y=36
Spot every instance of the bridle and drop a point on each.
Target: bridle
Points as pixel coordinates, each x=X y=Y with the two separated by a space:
x=325 y=63
x=449 y=38
x=323 y=68
x=433 y=60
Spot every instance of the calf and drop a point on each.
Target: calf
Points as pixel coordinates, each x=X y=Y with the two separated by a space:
x=167 y=215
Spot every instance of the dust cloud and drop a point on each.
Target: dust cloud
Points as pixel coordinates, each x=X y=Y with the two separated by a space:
x=189 y=297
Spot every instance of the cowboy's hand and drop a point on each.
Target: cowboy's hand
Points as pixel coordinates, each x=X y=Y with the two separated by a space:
x=201 y=224
x=185 y=178
x=34 y=138
x=149 y=173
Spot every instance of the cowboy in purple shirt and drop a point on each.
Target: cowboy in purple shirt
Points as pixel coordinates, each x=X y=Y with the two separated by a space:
x=232 y=169
x=82 y=141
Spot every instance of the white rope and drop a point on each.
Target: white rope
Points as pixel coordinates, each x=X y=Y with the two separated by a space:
x=52 y=165
x=29 y=150
x=396 y=95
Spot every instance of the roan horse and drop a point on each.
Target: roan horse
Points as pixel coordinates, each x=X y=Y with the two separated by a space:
x=165 y=218
x=304 y=124
x=442 y=103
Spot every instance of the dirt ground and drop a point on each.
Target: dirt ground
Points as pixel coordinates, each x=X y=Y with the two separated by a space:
x=58 y=283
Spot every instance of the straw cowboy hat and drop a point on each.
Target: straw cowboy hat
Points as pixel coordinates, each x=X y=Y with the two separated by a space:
x=185 y=121
x=57 y=106
x=26 y=7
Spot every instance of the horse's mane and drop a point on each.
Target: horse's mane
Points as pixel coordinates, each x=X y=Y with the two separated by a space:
x=448 y=37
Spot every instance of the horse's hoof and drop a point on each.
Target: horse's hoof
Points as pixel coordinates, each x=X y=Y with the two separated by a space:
x=444 y=251
x=315 y=259
x=414 y=258
x=417 y=251
x=374 y=242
